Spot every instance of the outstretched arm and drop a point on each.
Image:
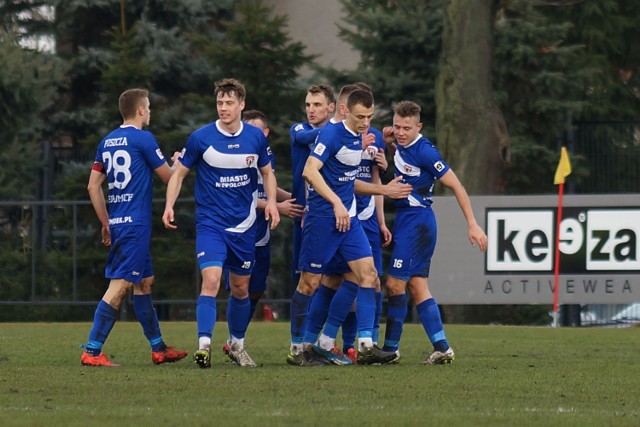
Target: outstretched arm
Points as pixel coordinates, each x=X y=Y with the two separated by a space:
x=476 y=234
x=173 y=191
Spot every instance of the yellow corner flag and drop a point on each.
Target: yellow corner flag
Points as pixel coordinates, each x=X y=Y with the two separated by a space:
x=564 y=167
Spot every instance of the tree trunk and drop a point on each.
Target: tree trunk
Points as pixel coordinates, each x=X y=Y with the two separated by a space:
x=470 y=128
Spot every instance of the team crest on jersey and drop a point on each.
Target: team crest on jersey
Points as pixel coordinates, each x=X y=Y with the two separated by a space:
x=320 y=147
x=370 y=152
x=408 y=168
x=250 y=160
x=439 y=166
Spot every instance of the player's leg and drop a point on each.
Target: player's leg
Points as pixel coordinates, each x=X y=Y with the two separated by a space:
x=104 y=319
x=126 y=256
x=259 y=275
x=317 y=250
x=396 y=312
x=238 y=310
x=431 y=320
x=212 y=252
x=319 y=307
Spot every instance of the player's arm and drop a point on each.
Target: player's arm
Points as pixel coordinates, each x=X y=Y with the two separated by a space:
x=304 y=136
x=311 y=174
x=476 y=235
x=173 y=191
x=394 y=189
x=165 y=171
x=379 y=201
x=96 y=194
x=271 y=189
x=389 y=139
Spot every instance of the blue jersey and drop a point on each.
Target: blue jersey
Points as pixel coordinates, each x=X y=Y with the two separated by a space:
x=128 y=156
x=340 y=151
x=420 y=164
x=302 y=136
x=226 y=174
x=365 y=204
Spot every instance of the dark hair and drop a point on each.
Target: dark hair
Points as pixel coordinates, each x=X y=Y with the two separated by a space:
x=254 y=115
x=347 y=90
x=230 y=87
x=363 y=97
x=407 y=109
x=324 y=90
x=130 y=101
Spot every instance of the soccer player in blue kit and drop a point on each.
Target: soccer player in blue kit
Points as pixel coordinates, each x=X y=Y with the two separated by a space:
x=331 y=227
x=418 y=161
x=126 y=159
x=286 y=207
x=228 y=156
x=370 y=212
x=319 y=104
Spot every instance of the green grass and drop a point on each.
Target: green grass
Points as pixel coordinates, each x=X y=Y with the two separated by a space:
x=503 y=376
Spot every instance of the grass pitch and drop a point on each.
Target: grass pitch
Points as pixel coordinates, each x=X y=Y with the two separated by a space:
x=502 y=376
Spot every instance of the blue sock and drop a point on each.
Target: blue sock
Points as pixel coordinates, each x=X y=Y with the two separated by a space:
x=349 y=331
x=148 y=318
x=365 y=311
x=104 y=318
x=298 y=314
x=238 y=316
x=340 y=307
x=253 y=303
x=396 y=313
x=206 y=313
x=376 y=319
x=318 y=311
x=430 y=317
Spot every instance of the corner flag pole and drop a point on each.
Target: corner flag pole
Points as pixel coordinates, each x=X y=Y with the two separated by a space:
x=563 y=170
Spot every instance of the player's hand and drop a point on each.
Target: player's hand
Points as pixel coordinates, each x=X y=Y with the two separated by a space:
x=106 y=235
x=343 y=220
x=290 y=209
x=381 y=161
x=385 y=235
x=175 y=156
x=367 y=139
x=387 y=135
x=397 y=190
x=271 y=214
x=168 y=219
x=476 y=235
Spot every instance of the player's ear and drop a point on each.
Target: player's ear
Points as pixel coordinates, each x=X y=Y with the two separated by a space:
x=332 y=107
x=266 y=132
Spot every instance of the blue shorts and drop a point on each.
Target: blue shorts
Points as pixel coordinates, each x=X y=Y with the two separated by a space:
x=371 y=228
x=297 y=244
x=321 y=242
x=258 y=281
x=220 y=248
x=129 y=258
x=414 y=234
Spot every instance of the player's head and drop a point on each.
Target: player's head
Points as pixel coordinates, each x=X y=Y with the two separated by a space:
x=134 y=105
x=230 y=95
x=345 y=91
x=257 y=119
x=319 y=104
x=406 y=122
x=359 y=110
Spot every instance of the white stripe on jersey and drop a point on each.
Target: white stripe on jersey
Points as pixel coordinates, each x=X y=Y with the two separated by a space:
x=220 y=160
x=248 y=222
x=404 y=168
x=350 y=157
x=367 y=212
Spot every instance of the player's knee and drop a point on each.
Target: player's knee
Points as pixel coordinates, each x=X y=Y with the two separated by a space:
x=145 y=286
x=308 y=283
